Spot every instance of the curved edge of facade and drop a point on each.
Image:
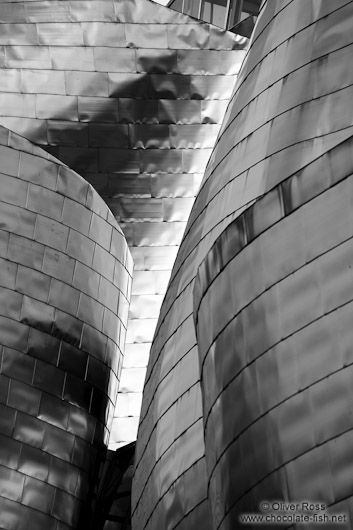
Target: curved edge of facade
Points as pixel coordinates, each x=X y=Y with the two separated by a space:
x=289 y=108
x=273 y=304
x=65 y=283
x=131 y=95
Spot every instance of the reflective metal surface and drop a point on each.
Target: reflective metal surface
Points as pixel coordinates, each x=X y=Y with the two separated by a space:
x=64 y=284
x=276 y=345
x=131 y=95
x=112 y=510
x=289 y=109
x=236 y=15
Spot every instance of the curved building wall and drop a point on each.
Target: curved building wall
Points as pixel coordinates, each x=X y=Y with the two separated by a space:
x=273 y=311
x=131 y=95
x=290 y=107
x=64 y=285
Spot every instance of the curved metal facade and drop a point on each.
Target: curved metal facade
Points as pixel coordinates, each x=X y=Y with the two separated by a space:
x=131 y=95
x=64 y=286
x=289 y=109
x=275 y=354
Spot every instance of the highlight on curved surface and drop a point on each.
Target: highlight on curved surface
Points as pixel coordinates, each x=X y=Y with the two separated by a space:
x=131 y=95
x=275 y=355
x=65 y=279
x=289 y=108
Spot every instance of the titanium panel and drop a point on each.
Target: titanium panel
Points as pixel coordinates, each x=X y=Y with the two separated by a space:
x=108 y=60
x=58 y=392
x=156 y=62
x=20 y=33
x=56 y=107
x=138 y=35
x=27 y=57
x=46 y=82
x=138 y=111
x=197 y=37
x=71 y=58
x=54 y=10
x=87 y=83
x=193 y=136
x=18 y=105
x=103 y=34
x=179 y=111
x=99 y=10
x=58 y=133
x=63 y=34
x=97 y=109
x=154 y=136
x=108 y=135
x=11 y=80
x=173 y=185
x=211 y=87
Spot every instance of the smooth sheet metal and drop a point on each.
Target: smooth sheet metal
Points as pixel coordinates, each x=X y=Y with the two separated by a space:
x=284 y=293
x=131 y=95
x=65 y=282
x=287 y=368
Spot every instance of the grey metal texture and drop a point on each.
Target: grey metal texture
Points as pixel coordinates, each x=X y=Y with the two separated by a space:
x=113 y=504
x=131 y=95
x=291 y=105
x=228 y=14
x=275 y=349
x=65 y=281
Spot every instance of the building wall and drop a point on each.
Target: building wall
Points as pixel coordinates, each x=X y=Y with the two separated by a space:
x=65 y=279
x=131 y=95
x=290 y=106
x=275 y=349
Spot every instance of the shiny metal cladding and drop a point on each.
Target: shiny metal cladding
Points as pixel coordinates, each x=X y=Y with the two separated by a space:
x=284 y=298
x=65 y=283
x=130 y=95
x=275 y=368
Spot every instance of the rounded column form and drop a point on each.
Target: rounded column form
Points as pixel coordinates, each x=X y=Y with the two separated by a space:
x=131 y=95
x=273 y=311
x=65 y=281
x=289 y=108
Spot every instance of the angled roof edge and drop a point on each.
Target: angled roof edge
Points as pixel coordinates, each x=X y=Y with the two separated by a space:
x=164 y=14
